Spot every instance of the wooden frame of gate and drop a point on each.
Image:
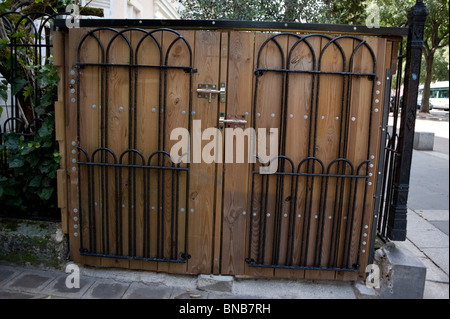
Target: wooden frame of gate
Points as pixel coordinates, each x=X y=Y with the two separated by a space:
x=128 y=203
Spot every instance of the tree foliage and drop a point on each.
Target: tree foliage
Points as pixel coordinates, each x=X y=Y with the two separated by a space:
x=289 y=10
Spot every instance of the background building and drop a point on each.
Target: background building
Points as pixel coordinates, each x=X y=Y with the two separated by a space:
x=136 y=9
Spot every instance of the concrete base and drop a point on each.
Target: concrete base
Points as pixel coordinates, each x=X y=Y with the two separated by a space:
x=364 y=292
x=215 y=283
x=402 y=274
x=33 y=242
x=423 y=141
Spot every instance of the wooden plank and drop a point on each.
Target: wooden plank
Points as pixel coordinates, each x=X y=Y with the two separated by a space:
x=328 y=131
x=89 y=137
x=268 y=115
x=236 y=192
x=299 y=99
x=202 y=175
x=218 y=214
x=379 y=47
x=117 y=111
x=147 y=110
x=360 y=135
x=176 y=115
x=60 y=126
x=75 y=218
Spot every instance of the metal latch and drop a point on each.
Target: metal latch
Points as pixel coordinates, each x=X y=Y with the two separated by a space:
x=208 y=91
x=232 y=120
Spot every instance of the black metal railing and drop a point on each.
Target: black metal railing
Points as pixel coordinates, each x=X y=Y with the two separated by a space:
x=132 y=206
x=289 y=208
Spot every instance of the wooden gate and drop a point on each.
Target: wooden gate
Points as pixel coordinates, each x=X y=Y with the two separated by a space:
x=128 y=203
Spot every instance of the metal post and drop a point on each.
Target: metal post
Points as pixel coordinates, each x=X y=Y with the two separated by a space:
x=396 y=229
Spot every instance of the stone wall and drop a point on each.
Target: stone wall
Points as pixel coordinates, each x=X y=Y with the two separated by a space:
x=38 y=243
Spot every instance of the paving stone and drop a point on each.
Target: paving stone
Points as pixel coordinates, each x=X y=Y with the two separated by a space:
x=148 y=291
x=442 y=225
x=436 y=290
x=106 y=290
x=59 y=288
x=31 y=281
x=17 y=295
x=5 y=274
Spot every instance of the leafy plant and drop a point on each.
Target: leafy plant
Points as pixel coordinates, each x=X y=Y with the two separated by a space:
x=32 y=156
x=29 y=156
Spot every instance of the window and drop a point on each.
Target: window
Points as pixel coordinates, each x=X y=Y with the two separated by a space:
x=443 y=93
x=434 y=93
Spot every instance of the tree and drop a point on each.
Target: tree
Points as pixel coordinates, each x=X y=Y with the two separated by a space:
x=346 y=11
x=289 y=10
x=436 y=37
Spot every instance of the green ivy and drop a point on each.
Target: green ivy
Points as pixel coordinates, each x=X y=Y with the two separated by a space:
x=29 y=182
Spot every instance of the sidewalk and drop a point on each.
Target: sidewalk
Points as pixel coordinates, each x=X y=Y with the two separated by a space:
x=424 y=240
x=32 y=282
x=428 y=203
